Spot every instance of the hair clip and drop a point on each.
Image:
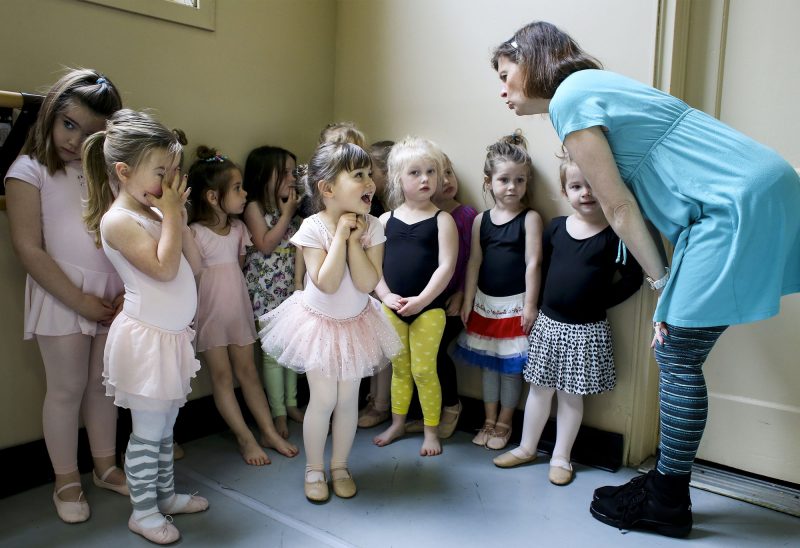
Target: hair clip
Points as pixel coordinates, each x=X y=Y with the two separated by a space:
x=300 y=171
x=216 y=158
x=101 y=80
x=513 y=44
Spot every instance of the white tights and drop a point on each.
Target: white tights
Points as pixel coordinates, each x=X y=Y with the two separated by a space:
x=73 y=367
x=568 y=421
x=329 y=396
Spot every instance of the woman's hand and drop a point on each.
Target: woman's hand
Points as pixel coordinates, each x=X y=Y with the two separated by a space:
x=289 y=207
x=173 y=196
x=529 y=315
x=95 y=309
x=453 y=304
x=660 y=329
x=394 y=301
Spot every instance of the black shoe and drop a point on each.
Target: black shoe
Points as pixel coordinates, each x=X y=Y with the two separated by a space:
x=635 y=506
x=616 y=490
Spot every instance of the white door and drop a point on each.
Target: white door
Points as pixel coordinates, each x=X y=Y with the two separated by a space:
x=753 y=372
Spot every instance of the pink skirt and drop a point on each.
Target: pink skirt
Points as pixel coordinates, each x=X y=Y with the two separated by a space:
x=304 y=340
x=148 y=368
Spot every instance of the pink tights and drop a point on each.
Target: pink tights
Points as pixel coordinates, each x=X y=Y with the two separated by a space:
x=341 y=399
x=73 y=367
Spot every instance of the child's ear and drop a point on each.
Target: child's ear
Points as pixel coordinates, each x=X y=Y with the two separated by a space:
x=325 y=188
x=122 y=171
x=211 y=196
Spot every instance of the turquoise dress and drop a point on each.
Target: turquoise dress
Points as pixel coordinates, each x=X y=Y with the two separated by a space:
x=730 y=205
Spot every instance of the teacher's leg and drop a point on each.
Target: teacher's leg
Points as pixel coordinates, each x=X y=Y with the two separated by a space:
x=660 y=500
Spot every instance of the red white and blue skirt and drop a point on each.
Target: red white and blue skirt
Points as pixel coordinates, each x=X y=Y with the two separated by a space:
x=493 y=338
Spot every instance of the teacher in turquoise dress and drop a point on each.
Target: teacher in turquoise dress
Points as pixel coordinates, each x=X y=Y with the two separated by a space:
x=729 y=205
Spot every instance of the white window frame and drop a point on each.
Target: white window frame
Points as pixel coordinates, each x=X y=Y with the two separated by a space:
x=203 y=16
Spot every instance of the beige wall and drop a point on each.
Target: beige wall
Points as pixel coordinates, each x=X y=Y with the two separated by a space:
x=276 y=71
x=263 y=77
x=422 y=67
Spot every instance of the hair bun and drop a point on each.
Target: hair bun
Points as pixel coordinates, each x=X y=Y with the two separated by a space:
x=181 y=136
x=516 y=138
x=204 y=153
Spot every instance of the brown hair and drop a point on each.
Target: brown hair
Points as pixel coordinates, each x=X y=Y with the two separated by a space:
x=510 y=148
x=343 y=132
x=261 y=165
x=546 y=55
x=78 y=86
x=128 y=138
x=328 y=160
x=211 y=171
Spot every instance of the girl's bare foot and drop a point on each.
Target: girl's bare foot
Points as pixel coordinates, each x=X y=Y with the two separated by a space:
x=282 y=426
x=295 y=414
x=431 y=446
x=395 y=430
x=274 y=440
x=252 y=453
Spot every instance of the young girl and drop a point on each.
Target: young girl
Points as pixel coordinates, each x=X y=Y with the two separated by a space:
x=149 y=360
x=421 y=250
x=72 y=291
x=502 y=287
x=343 y=132
x=269 y=266
x=570 y=345
x=377 y=409
x=445 y=199
x=333 y=330
x=225 y=330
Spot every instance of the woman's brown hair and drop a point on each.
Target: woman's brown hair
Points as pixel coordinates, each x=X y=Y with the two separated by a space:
x=546 y=55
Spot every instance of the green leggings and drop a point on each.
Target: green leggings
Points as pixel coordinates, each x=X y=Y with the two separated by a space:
x=416 y=363
x=281 y=385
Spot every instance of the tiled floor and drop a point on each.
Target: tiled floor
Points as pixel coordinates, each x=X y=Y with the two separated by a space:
x=458 y=499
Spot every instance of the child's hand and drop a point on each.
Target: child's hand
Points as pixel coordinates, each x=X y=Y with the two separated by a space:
x=95 y=309
x=453 y=304
x=173 y=196
x=358 y=231
x=117 y=303
x=529 y=315
x=660 y=329
x=411 y=306
x=394 y=301
x=347 y=223
x=289 y=207
x=466 y=310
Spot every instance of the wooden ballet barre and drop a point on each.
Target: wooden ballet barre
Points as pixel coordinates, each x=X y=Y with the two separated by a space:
x=15 y=99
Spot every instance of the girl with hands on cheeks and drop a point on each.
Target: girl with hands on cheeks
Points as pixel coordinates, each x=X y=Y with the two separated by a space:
x=502 y=287
x=149 y=360
x=332 y=330
x=225 y=328
x=273 y=269
x=421 y=252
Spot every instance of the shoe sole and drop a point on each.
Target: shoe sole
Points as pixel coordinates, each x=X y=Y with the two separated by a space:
x=666 y=529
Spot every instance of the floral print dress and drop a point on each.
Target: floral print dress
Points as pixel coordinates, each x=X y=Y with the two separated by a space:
x=270 y=278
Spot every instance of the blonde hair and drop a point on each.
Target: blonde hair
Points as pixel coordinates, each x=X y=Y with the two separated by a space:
x=403 y=153
x=343 y=132
x=566 y=162
x=128 y=138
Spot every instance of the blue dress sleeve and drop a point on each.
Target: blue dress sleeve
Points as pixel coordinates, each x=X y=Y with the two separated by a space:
x=579 y=104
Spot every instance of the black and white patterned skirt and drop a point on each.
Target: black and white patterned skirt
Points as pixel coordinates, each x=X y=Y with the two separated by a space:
x=574 y=358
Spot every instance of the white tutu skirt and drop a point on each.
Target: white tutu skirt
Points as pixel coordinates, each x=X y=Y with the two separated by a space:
x=304 y=340
x=148 y=368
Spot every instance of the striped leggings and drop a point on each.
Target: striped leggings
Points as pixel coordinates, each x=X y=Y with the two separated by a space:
x=682 y=395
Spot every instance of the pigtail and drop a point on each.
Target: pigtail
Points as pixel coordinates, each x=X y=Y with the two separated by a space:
x=100 y=195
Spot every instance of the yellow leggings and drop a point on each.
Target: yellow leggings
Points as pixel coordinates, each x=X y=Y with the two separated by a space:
x=418 y=360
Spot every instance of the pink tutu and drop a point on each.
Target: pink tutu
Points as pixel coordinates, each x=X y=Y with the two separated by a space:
x=146 y=367
x=303 y=339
